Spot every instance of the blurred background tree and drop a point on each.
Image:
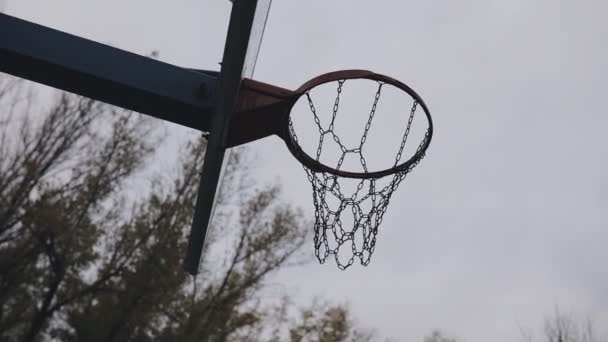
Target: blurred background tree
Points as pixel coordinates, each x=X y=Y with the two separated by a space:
x=91 y=245
x=562 y=327
x=85 y=255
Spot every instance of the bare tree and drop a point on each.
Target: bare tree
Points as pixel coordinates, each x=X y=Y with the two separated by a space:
x=561 y=327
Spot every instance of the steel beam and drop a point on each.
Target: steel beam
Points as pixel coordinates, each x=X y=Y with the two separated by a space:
x=101 y=72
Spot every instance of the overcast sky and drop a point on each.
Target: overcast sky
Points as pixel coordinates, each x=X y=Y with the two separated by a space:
x=505 y=219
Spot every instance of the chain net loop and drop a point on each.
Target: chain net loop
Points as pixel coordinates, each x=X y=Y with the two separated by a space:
x=367 y=204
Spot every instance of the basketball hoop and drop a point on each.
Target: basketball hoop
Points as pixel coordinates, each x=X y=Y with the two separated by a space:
x=264 y=109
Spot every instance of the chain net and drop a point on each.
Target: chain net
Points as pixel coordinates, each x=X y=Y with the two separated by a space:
x=355 y=239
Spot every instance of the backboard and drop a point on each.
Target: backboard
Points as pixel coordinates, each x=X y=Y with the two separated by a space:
x=243 y=41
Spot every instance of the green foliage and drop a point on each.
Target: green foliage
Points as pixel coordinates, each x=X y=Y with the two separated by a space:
x=323 y=325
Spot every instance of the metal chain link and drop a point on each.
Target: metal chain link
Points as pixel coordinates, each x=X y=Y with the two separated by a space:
x=372 y=113
x=336 y=104
x=407 y=132
x=329 y=233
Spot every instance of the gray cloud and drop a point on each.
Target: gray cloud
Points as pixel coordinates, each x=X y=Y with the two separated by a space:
x=506 y=216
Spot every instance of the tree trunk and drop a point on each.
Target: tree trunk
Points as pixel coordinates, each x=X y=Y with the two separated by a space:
x=43 y=314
